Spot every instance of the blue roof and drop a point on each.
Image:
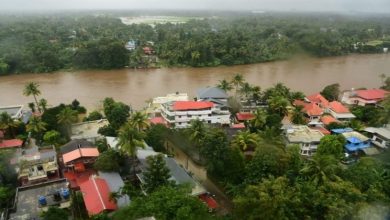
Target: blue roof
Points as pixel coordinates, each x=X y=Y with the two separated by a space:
x=354 y=140
x=341 y=130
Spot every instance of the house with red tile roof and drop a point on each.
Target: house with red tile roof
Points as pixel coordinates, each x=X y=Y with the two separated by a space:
x=79 y=154
x=318 y=99
x=180 y=113
x=327 y=119
x=312 y=111
x=96 y=194
x=11 y=143
x=244 y=116
x=339 y=111
x=364 y=97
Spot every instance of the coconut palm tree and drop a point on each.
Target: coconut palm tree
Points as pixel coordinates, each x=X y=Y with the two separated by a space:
x=42 y=104
x=67 y=117
x=197 y=132
x=245 y=140
x=278 y=104
x=298 y=116
x=32 y=88
x=237 y=81
x=321 y=169
x=256 y=93
x=260 y=119
x=225 y=85
x=36 y=126
x=139 y=120
x=129 y=138
x=246 y=90
x=7 y=123
x=31 y=105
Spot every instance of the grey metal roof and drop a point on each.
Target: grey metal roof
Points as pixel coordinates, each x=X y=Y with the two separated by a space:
x=384 y=132
x=115 y=183
x=74 y=144
x=211 y=92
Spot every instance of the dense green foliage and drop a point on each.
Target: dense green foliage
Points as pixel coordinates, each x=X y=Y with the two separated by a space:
x=55 y=213
x=46 y=43
x=166 y=203
x=155 y=136
x=157 y=174
x=109 y=161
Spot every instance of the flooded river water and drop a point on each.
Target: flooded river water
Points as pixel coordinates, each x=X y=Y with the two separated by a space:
x=136 y=86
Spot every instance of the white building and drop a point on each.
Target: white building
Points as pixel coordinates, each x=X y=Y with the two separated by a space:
x=180 y=113
x=380 y=136
x=155 y=106
x=307 y=139
x=339 y=111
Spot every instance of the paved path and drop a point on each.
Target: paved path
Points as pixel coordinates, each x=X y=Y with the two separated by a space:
x=200 y=174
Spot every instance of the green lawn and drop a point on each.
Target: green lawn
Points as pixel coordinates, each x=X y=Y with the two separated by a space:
x=374 y=42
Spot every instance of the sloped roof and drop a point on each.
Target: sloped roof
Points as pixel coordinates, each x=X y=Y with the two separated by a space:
x=245 y=116
x=211 y=92
x=384 y=132
x=78 y=153
x=370 y=94
x=338 y=107
x=327 y=119
x=115 y=184
x=311 y=109
x=191 y=105
x=75 y=144
x=96 y=194
x=11 y=143
x=319 y=99
x=158 y=120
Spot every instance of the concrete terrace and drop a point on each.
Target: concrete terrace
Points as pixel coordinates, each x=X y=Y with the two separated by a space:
x=26 y=202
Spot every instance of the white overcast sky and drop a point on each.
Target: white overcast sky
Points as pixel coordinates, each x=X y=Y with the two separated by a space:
x=382 y=6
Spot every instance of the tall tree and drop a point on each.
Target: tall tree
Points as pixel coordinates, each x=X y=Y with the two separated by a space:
x=197 y=132
x=321 y=169
x=298 y=116
x=278 y=105
x=245 y=140
x=43 y=104
x=331 y=92
x=8 y=123
x=246 y=90
x=237 y=81
x=32 y=88
x=129 y=139
x=260 y=119
x=225 y=85
x=332 y=145
x=36 y=126
x=67 y=117
x=139 y=120
x=157 y=173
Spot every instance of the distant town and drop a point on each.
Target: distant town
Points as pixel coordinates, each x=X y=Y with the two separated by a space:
x=233 y=151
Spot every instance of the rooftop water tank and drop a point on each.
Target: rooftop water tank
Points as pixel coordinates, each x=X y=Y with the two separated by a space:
x=42 y=200
x=65 y=193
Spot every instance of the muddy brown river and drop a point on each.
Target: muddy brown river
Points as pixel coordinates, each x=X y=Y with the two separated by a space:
x=136 y=86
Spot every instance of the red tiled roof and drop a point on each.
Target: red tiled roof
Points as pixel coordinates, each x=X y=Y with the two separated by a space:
x=238 y=126
x=96 y=194
x=338 y=107
x=370 y=94
x=319 y=99
x=81 y=152
x=77 y=178
x=245 y=116
x=11 y=143
x=327 y=119
x=191 y=105
x=210 y=201
x=158 y=120
x=312 y=109
x=322 y=130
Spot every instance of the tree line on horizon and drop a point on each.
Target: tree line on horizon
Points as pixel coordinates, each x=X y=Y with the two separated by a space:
x=48 y=43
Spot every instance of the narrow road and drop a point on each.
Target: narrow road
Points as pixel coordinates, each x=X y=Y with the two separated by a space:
x=200 y=174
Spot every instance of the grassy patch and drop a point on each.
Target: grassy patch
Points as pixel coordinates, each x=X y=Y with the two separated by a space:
x=374 y=43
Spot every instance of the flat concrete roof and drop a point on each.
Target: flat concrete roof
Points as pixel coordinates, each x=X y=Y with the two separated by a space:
x=87 y=130
x=302 y=134
x=27 y=206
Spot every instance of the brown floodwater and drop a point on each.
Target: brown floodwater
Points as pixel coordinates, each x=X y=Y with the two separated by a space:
x=134 y=87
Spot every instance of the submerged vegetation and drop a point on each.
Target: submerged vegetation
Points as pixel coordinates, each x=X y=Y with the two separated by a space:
x=46 y=43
